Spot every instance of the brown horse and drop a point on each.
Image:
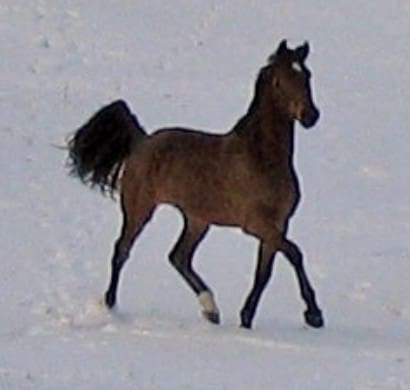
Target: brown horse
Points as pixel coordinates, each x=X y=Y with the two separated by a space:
x=243 y=178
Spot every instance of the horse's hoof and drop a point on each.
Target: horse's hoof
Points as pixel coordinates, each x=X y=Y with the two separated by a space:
x=109 y=300
x=246 y=321
x=314 y=319
x=246 y=325
x=212 y=317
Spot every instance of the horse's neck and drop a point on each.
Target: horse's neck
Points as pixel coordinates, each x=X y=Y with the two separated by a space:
x=267 y=134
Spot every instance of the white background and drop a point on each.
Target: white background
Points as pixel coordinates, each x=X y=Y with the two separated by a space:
x=194 y=63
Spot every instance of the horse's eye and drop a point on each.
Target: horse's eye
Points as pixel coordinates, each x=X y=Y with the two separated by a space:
x=297 y=67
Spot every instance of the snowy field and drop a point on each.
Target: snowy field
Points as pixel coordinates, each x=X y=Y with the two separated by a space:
x=194 y=63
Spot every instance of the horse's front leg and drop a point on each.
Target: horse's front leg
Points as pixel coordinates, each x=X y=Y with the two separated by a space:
x=313 y=314
x=263 y=273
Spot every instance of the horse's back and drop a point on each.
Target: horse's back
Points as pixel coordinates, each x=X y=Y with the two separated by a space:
x=187 y=168
x=209 y=176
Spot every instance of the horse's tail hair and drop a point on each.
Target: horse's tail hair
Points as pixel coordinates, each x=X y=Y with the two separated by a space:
x=98 y=149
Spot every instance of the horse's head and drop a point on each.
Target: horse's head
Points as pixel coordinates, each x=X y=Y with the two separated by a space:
x=290 y=82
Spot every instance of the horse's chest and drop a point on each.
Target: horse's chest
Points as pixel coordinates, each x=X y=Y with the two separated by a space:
x=283 y=189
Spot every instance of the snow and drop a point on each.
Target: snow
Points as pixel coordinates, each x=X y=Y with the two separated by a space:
x=194 y=63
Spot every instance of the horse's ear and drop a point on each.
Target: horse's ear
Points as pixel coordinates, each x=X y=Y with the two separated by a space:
x=302 y=52
x=283 y=48
x=280 y=52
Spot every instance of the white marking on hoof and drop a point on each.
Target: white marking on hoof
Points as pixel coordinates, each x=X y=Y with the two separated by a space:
x=207 y=302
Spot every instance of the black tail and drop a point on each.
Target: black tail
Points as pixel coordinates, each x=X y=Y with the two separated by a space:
x=98 y=149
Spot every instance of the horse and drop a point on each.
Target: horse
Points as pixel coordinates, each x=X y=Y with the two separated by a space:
x=243 y=178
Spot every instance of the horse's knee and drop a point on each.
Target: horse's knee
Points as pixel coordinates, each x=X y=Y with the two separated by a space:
x=292 y=252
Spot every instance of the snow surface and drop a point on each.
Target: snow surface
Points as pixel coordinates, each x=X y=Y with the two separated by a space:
x=194 y=63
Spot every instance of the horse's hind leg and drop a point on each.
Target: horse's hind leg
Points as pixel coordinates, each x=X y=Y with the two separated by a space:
x=313 y=315
x=135 y=217
x=181 y=258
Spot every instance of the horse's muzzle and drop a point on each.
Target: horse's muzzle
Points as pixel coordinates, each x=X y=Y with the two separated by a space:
x=310 y=117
